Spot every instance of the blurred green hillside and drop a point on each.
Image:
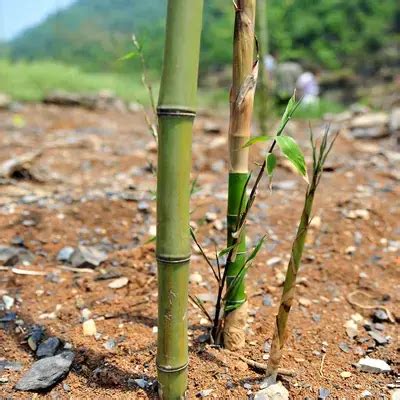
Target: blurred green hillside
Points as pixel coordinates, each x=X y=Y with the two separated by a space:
x=93 y=34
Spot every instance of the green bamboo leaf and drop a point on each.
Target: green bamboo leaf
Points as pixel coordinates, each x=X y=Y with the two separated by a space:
x=255 y=250
x=225 y=251
x=293 y=153
x=258 y=139
x=128 y=56
x=290 y=108
x=271 y=163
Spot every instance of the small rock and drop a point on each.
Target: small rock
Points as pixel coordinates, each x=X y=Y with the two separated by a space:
x=204 y=393
x=65 y=254
x=89 y=328
x=87 y=257
x=316 y=317
x=380 y=316
x=8 y=301
x=13 y=255
x=285 y=185
x=280 y=278
x=396 y=395
x=345 y=374
x=373 y=366
x=118 y=283
x=46 y=372
x=267 y=347
x=143 y=207
x=351 y=329
x=211 y=216
x=142 y=383
x=36 y=334
x=323 y=393
x=211 y=127
x=344 y=347
x=10 y=365
x=3 y=380
x=357 y=318
x=274 y=392
x=274 y=261
x=86 y=313
x=304 y=302
x=370 y=126
x=267 y=300
x=110 y=344
x=5 y=101
x=195 y=278
x=48 y=348
x=379 y=339
x=247 y=386
x=350 y=250
x=366 y=394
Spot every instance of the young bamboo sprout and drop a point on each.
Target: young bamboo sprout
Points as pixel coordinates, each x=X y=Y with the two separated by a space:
x=176 y=110
x=278 y=340
x=241 y=108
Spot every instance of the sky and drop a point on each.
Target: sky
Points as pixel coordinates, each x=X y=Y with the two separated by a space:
x=17 y=15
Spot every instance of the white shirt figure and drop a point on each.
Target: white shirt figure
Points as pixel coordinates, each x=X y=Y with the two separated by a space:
x=308 y=87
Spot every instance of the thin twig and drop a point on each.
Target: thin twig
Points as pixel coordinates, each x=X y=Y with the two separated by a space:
x=200 y=306
x=321 y=368
x=368 y=307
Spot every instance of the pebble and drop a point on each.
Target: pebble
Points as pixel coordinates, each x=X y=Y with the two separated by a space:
x=211 y=216
x=10 y=365
x=87 y=257
x=280 y=278
x=304 y=302
x=274 y=261
x=143 y=207
x=344 y=347
x=65 y=254
x=8 y=301
x=350 y=250
x=204 y=393
x=118 y=283
x=379 y=339
x=351 y=329
x=274 y=392
x=323 y=393
x=110 y=344
x=267 y=300
x=345 y=374
x=373 y=366
x=396 y=395
x=380 y=316
x=365 y=394
x=141 y=383
x=46 y=372
x=357 y=318
x=89 y=328
x=86 y=313
x=3 y=380
x=195 y=278
x=48 y=348
x=36 y=334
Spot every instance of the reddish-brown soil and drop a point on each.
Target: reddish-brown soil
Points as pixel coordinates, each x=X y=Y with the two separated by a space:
x=91 y=157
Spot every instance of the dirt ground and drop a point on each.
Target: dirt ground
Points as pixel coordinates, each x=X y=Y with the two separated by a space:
x=96 y=186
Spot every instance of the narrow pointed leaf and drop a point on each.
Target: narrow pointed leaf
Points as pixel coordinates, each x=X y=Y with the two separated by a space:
x=258 y=139
x=225 y=251
x=128 y=56
x=271 y=163
x=255 y=250
x=290 y=108
x=293 y=153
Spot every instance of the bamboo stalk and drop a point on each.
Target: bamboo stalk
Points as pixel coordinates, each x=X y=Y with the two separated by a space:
x=176 y=111
x=244 y=79
x=280 y=333
x=262 y=101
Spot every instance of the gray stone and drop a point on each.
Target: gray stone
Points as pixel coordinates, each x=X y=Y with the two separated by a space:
x=394 y=121
x=48 y=348
x=12 y=255
x=370 y=126
x=10 y=365
x=88 y=257
x=323 y=393
x=65 y=254
x=380 y=316
x=373 y=366
x=379 y=339
x=267 y=300
x=46 y=372
x=344 y=347
x=274 y=392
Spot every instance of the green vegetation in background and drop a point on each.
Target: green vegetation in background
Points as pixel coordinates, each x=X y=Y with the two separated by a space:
x=331 y=33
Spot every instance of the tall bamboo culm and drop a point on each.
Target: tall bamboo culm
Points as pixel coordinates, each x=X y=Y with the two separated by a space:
x=244 y=77
x=176 y=111
x=263 y=105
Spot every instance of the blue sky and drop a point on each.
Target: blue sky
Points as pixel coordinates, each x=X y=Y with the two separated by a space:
x=17 y=15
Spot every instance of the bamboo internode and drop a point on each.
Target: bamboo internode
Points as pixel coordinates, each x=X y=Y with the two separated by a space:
x=176 y=110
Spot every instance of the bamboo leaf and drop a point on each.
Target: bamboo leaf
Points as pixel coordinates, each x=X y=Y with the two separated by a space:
x=290 y=108
x=271 y=163
x=226 y=251
x=293 y=153
x=258 y=139
x=128 y=56
x=255 y=250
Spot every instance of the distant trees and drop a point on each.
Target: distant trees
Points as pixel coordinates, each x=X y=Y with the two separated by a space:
x=331 y=33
